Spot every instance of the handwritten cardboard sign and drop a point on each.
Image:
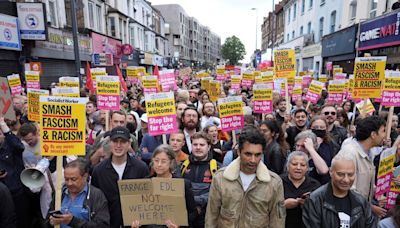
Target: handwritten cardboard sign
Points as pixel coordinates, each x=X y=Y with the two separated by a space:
x=6 y=107
x=153 y=201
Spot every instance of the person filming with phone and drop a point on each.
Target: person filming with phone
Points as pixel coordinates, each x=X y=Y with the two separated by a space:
x=82 y=205
x=297 y=186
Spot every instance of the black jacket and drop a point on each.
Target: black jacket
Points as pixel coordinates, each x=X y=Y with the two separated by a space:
x=319 y=210
x=11 y=160
x=273 y=158
x=96 y=204
x=105 y=178
x=339 y=134
x=7 y=212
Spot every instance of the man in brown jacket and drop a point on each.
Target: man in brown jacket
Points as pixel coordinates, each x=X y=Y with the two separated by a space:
x=246 y=193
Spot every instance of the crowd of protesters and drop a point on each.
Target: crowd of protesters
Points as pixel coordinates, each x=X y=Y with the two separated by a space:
x=295 y=167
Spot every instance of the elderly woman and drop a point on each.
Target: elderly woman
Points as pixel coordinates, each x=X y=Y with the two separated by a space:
x=297 y=187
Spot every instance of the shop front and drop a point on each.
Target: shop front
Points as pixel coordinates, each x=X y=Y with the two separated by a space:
x=381 y=37
x=312 y=58
x=338 y=48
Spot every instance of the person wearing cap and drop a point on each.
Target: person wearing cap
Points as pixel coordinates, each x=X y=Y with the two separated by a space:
x=119 y=166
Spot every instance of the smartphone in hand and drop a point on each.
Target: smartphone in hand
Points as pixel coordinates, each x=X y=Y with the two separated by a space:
x=55 y=213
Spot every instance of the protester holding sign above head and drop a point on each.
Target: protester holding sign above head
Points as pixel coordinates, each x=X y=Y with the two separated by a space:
x=163 y=165
x=200 y=168
x=119 y=166
x=82 y=205
x=246 y=193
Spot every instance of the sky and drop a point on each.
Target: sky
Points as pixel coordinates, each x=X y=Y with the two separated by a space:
x=229 y=17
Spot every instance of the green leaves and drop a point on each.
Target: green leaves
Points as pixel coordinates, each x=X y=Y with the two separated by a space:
x=233 y=50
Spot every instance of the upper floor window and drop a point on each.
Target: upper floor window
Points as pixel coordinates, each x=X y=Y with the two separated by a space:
x=333 y=22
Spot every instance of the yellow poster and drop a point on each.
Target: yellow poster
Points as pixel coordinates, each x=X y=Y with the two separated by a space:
x=248 y=76
x=205 y=83
x=323 y=78
x=336 y=86
x=265 y=77
x=62 y=126
x=365 y=108
x=220 y=70
x=33 y=103
x=369 y=73
x=337 y=70
x=65 y=92
x=32 y=79
x=214 y=90
x=161 y=113
x=69 y=82
x=285 y=63
x=150 y=84
x=97 y=72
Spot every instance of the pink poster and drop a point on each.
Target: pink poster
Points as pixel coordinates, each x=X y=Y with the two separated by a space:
x=339 y=76
x=306 y=81
x=335 y=98
x=14 y=83
x=104 y=44
x=231 y=113
x=220 y=77
x=237 y=70
x=108 y=93
x=247 y=83
x=168 y=80
x=314 y=91
x=262 y=98
x=391 y=89
x=33 y=85
x=161 y=113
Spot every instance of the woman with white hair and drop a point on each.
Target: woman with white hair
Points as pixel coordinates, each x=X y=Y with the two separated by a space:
x=297 y=187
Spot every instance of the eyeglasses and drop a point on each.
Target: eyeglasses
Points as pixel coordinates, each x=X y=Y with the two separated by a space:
x=327 y=113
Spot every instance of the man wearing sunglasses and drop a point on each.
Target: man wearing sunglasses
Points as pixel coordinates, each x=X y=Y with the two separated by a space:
x=339 y=134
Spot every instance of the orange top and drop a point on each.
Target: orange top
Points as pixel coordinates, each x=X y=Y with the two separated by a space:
x=181 y=156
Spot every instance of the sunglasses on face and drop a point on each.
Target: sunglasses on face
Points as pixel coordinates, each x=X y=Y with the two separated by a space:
x=327 y=113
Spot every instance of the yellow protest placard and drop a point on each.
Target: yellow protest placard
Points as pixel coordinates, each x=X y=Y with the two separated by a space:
x=108 y=92
x=134 y=74
x=365 y=108
x=336 y=87
x=65 y=92
x=285 y=63
x=62 y=126
x=214 y=90
x=205 y=83
x=32 y=79
x=262 y=102
x=150 y=84
x=265 y=77
x=69 y=82
x=220 y=70
x=248 y=76
x=231 y=113
x=99 y=71
x=33 y=103
x=323 y=78
x=369 y=73
x=161 y=113
x=15 y=84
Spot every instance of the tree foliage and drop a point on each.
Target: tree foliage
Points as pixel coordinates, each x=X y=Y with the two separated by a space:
x=233 y=50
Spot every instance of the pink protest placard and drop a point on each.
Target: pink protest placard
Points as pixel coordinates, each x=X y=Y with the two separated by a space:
x=161 y=113
x=237 y=70
x=15 y=84
x=32 y=79
x=168 y=80
x=306 y=81
x=391 y=89
x=108 y=92
x=235 y=82
x=231 y=113
x=220 y=77
x=262 y=98
x=385 y=172
x=339 y=76
x=336 y=91
x=314 y=91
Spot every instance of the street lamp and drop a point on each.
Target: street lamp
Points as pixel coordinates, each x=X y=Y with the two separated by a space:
x=256 y=24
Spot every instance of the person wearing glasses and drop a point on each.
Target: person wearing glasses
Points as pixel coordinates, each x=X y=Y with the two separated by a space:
x=339 y=134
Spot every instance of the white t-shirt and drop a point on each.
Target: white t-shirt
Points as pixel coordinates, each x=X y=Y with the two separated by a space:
x=344 y=220
x=246 y=179
x=119 y=169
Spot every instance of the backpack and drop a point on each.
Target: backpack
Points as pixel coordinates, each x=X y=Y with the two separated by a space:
x=213 y=166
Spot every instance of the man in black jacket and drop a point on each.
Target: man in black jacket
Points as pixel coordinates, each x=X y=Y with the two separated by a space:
x=7 y=213
x=119 y=166
x=82 y=205
x=334 y=204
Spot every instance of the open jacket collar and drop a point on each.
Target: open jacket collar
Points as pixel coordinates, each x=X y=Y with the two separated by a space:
x=232 y=171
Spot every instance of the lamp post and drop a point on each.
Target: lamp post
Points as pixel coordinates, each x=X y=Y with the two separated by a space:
x=273 y=26
x=256 y=24
x=76 y=42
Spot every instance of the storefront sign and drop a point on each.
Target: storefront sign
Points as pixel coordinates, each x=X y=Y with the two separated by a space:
x=31 y=20
x=380 y=32
x=105 y=44
x=339 y=43
x=9 y=33
x=102 y=59
x=311 y=51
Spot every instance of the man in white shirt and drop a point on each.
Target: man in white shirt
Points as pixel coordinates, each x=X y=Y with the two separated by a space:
x=208 y=115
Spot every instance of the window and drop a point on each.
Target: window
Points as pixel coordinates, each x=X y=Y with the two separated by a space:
x=321 y=28
x=333 y=21
x=111 y=21
x=301 y=30
x=322 y=2
x=309 y=28
x=53 y=13
x=303 y=6
x=293 y=34
x=99 y=18
x=288 y=21
x=294 y=11
x=353 y=9
x=132 y=37
x=311 y=2
x=91 y=14
x=373 y=6
x=287 y=37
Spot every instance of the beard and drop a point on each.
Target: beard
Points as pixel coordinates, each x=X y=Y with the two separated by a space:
x=190 y=125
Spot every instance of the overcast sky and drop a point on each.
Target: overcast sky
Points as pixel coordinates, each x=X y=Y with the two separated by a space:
x=228 y=17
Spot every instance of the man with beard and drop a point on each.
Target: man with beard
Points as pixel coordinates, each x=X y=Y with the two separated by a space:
x=300 y=120
x=370 y=132
x=208 y=115
x=190 y=124
x=339 y=134
x=280 y=115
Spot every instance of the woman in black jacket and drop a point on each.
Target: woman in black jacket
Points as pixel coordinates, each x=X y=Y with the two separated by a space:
x=163 y=164
x=276 y=150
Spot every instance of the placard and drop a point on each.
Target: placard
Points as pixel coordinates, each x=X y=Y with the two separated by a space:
x=365 y=109
x=6 y=106
x=108 y=92
x=33 y=103
x=314 y=91
x=285 y=63
x=69 y=82
x=391 y=89
x=369 y=73
x=214 y=91
x=168 y=80
x=134 y=74
x=336 y=91
x=32 y=79
x=62 y=126
x=323 y=78
x=153 y=201
x=65 y=92
x=385 y=172
x=248 y=79
x=150 y=84
x=236 y=81
x=231 y=113
x=262 y=98
x=97 y=72
x=161 y=113
x=15 y=84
